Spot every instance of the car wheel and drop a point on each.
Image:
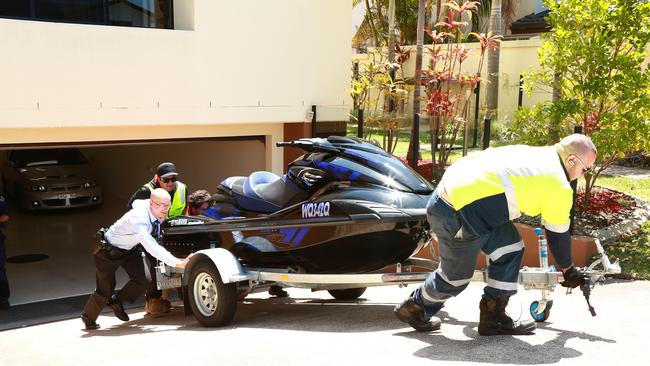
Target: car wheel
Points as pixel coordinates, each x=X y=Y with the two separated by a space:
x=348 y=293
x=213 y=303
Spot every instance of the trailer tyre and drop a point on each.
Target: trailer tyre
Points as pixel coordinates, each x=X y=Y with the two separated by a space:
x=348 y=293
x=213 y=303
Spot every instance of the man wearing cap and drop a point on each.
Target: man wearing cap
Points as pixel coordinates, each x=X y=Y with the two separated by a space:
x=166 y=177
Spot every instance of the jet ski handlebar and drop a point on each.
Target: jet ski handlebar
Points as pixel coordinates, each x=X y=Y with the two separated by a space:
x=309 y=146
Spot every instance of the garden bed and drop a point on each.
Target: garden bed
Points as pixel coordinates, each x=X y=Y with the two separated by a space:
x=606 y=216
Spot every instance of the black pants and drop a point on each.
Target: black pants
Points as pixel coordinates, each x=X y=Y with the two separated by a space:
x=152 y=288
x=4 y=283
x=107 y=263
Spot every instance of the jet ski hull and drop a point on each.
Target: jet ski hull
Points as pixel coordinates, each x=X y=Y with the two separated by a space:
x=355 y=237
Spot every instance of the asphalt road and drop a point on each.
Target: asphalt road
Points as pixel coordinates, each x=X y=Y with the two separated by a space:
x=311 y=328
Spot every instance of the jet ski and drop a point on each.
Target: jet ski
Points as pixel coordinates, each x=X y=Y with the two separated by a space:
x=345 y=206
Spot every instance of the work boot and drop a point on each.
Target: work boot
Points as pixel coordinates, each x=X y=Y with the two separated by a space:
x=89 y=324
x=118 y=309
x=277 y=291
x=412 y=313
x=157 y=306
x=494 y=320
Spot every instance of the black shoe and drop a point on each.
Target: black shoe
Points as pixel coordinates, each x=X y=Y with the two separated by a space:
x=277 y=291
x=89 y=324
x=494 y=320
x=4 y=305
x=118 y=309
x=412 y=313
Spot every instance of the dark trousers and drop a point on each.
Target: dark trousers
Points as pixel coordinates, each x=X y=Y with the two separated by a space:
x=107 y=263
x=4 y=283
x=152 y=288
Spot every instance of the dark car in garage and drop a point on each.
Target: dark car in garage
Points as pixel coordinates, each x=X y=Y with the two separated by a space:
x=52 y=178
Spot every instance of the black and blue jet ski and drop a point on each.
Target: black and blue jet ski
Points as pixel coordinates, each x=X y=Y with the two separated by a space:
x=345 y=206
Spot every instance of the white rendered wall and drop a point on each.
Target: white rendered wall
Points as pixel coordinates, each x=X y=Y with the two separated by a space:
x=229 y=63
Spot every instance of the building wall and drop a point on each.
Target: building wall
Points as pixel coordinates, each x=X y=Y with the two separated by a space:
x=230 y=68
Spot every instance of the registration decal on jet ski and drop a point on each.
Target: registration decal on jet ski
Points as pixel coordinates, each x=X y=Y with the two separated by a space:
x=319 y=209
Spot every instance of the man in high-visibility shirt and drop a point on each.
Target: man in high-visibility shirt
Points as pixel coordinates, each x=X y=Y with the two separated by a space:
x=166 y=177
x=471 y=211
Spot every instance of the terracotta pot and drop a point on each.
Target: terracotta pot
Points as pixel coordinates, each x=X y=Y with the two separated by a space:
x=582 y=247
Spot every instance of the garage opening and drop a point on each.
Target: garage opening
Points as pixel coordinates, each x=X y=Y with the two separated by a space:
x=61 y=237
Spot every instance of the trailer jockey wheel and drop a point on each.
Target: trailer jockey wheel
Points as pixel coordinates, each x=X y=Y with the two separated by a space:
x=544 y=314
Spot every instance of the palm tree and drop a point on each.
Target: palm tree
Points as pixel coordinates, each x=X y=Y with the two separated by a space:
x=501 y=16
x=492 y=94
x=413 y=149
x=375 y=24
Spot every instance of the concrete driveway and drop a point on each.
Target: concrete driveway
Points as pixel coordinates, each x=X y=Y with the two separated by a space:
x=311 y=328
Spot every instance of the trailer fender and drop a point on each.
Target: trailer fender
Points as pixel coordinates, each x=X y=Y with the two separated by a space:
x=228 y=266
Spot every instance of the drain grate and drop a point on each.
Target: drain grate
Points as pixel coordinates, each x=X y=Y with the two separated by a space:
x=27 y=258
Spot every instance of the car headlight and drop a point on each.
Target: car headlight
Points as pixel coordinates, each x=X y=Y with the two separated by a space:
x=90 y=184
x=39 y=188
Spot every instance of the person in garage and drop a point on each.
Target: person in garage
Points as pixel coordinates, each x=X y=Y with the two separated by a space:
x=166 y=177
x=198 y=202
x=119 y=247
x=4 y=283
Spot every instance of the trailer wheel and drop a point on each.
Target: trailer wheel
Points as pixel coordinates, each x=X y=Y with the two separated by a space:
x=348 y=293
x=544 y=315
x=213 y=302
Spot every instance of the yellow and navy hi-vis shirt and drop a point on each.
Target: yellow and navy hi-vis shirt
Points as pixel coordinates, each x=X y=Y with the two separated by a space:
x=498 y=184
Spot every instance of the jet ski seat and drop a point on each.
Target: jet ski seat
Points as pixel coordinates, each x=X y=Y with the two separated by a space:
x=262 y=191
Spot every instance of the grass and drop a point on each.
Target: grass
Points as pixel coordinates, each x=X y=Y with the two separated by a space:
x=639 y=187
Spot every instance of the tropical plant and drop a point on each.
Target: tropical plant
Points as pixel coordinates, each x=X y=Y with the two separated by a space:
x=373 y=90
x=448 y=86
x=374 y=26
x=595 y=55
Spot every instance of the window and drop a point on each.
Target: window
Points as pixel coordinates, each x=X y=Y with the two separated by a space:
x=141 y=13
x=15 y=8
x=77 y=11
x=128 y=13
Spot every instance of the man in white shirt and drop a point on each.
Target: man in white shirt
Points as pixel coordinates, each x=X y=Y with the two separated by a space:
x=137 y=226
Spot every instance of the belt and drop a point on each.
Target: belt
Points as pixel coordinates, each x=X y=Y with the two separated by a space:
x=103 y=245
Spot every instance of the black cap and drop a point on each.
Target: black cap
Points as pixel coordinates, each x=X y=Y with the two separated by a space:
x=166 y=170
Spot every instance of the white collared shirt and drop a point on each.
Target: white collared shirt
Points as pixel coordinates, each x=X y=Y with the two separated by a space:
x=135 y=228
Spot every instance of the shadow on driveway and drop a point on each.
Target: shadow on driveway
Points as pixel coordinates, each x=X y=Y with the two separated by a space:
x=503 y=349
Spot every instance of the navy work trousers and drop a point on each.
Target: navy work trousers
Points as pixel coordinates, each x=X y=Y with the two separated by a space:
x=458 y=248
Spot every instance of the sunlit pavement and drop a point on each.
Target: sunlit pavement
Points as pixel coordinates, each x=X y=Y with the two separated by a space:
x=312 y=328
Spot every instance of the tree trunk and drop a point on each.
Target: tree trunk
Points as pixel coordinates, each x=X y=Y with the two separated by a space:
x=492 y=92
x=418 y=56
x=391 y=31
x=414 y=147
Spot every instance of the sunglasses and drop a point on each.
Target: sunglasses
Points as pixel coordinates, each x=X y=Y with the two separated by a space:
x=585 y=170
x=163 y=206
x=168 y=179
